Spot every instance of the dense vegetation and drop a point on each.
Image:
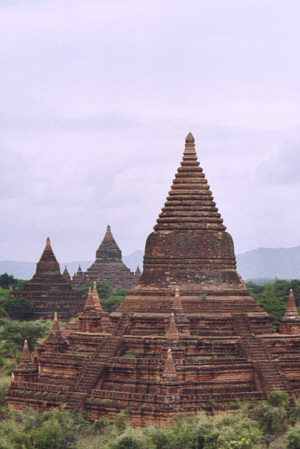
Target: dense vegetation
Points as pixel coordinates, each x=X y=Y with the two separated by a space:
x=273 y=297
x=272 y=424
x=15 y=308
x=12 y=336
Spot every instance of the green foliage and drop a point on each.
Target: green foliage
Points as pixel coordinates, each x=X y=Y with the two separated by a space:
x=294 y=412
x=112 y=303
x=126 y=442
x=12 y=336
x=273 y=297
x=3 y=313
x=7 y=281
x=4 y=294
x=57 y=429
x=293 y=437
x=278 y=399
x=18 y=308
x=4 y=384
x=31 y=430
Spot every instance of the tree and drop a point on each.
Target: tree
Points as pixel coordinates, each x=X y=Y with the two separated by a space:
x=18 y=308
x=7 y=281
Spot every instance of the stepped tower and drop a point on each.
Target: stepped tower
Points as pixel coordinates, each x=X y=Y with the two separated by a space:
x=108 y=266
x=49 y=290
x=66 y=275
x=188 y=336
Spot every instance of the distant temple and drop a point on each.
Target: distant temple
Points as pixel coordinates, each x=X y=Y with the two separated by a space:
x=108 y=266
x=50 y=291
x=188 y=337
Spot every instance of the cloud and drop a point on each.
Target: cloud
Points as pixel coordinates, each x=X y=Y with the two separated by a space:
x=282 y=168
x=98 y=98
x=15 y=174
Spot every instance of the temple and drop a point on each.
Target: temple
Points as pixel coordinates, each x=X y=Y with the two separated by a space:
x=51 y=291
x=108 y=266
x=188 y=337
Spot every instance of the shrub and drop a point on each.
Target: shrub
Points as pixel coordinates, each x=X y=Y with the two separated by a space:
x=127 y=442
x=278 y=399
x=293 y=438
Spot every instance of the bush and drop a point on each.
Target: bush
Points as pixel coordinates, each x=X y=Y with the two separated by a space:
x=7 y=281
x=293 y=438
x=278 y=399
x=12 y=336
x=127 y=442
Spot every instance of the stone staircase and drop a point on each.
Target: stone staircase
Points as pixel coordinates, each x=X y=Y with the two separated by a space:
x=92 y=371
x=122 y=324
x=266 y=367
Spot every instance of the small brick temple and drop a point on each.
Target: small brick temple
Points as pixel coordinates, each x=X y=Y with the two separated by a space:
x=51 y=291
x=108 y=266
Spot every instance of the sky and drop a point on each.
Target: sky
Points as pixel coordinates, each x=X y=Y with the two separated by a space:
x=97 y=97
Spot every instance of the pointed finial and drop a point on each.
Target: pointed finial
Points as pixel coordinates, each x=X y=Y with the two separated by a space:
x=90 y=300
x=108 y=229
x=25 y=353
x=291 y=308
x=172 y=331
x=169 y=370
x=55 y=325
x=137 y=271
x=177 y=304
x=189 y=138
x=48 y=243
x=96 y=298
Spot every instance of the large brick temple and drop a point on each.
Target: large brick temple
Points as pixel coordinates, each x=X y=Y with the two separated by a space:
x=108 y=266
x=188 y=337
x=49 y=290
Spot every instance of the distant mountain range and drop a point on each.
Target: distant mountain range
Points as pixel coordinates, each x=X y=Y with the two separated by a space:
x=261 y=263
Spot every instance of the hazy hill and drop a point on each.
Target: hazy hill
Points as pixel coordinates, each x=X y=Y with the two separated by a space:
x=281 y=263
x=266 y=263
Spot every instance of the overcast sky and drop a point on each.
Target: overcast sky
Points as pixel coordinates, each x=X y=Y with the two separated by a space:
x=98 y=96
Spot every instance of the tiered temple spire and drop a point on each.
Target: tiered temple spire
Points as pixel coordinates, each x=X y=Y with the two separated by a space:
x=190 y=203
x=108 y=266
x=49 y=290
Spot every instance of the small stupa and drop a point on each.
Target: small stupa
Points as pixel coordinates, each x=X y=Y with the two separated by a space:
x=49 y=290
x=290 y=323
x=108 y=266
